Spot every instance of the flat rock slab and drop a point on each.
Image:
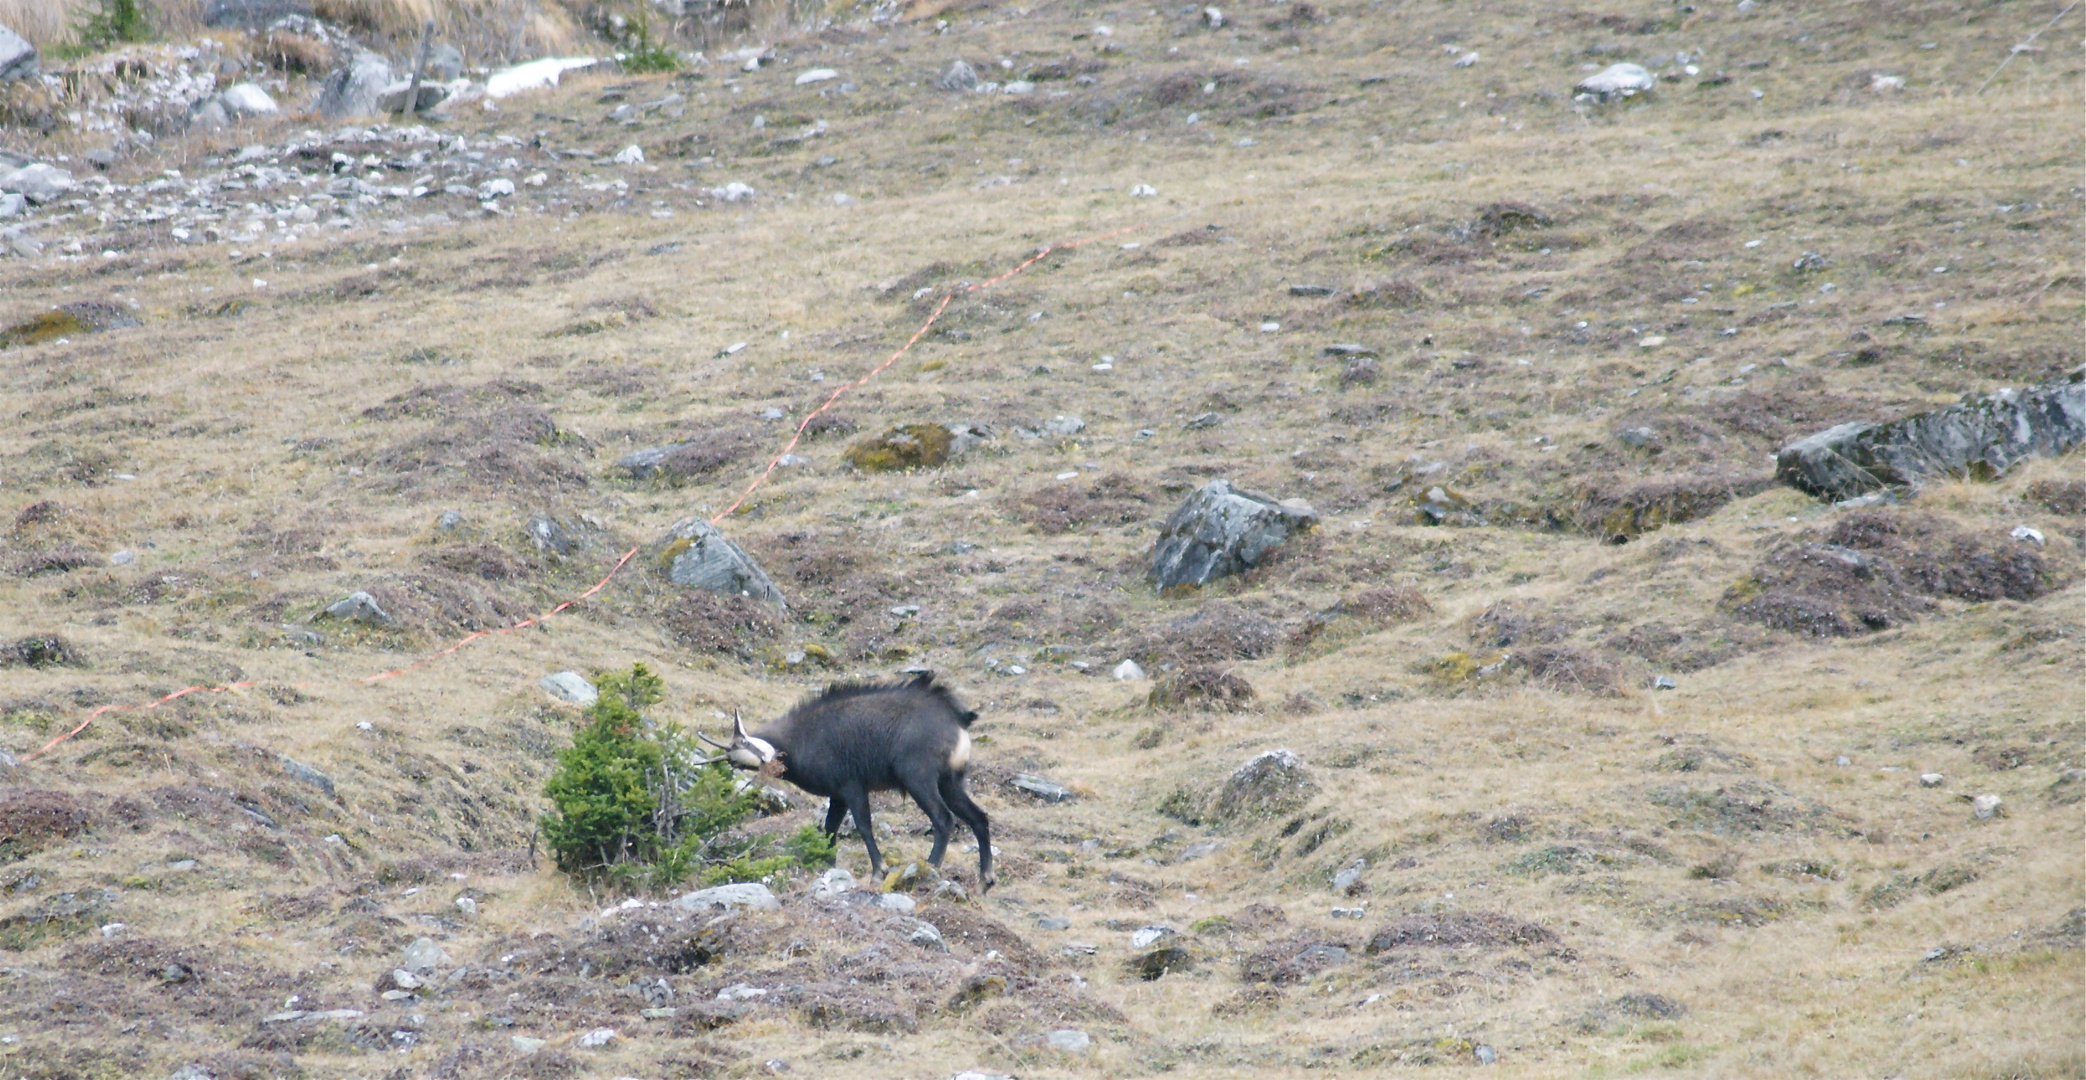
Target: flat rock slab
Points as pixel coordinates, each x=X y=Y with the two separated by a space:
x=1980 y=438
x=1222 y=530
x=730 y=897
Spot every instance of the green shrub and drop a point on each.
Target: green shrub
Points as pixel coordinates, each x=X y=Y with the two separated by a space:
x=633 y=804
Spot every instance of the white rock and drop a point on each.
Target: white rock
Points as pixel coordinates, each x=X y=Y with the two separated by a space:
x=1617 y=80
x=424 y=955
x=842 y=198
x=2028 y=533
x=1019 y=86
x=495 y=188
x=630 y=155
x=12 y=204
x=1985 y=806
x=1468 y=59
x=898 y=902
x=817 y=75
x=1143 y=191
x=467 y=905
x=246 y=99
x=740 y=992
x=524 y=1044
x=1932 y=779
x=404 y=980
x=599 y=1037
x=1128 y=670
x=727 y=897
x=733 y=192
x=1213 y=18
x=1144 y=936
x=358 y=606
x=571 y=686
x=534 y=75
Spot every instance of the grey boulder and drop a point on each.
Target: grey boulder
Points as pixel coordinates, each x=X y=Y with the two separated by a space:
x=1221 y=530
x=392 y=98
x=359 y=606
x=1615 y=82
x=354 y=87
x=444 y=64
x=570 y=686
x=694 y=554
x=959 y=76
x=18 y=58
x=1980 y=438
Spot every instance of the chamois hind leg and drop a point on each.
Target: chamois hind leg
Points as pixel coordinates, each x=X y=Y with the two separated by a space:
x=959 y=800
x=858 y=806
x=925 y=790
x=836 y=809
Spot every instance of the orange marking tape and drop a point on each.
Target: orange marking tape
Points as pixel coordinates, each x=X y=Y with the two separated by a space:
x=795 y=438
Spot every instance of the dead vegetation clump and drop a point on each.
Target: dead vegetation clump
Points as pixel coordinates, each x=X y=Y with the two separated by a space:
x=1619 y=513
x=2067 y=497
x=1061 y=508
x=1877 y=568
x=1485 y=929
x=32 y=819
x=700 y=454
x=1695 y=648
x=1562 y=667
x=440 y=600
x=728 y=625
x=1741 y=807
x=41 y=651
x=487 y=562
x=1293 y=960
x=1217 y=632
x=1393 y=294
x=485 y=435
x=1201 y=687
x=1501 y=218
x=1373 y=609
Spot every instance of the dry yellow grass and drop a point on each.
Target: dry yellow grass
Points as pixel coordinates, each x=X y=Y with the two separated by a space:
x=1702 y=845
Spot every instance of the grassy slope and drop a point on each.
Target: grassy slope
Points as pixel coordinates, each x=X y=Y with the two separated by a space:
x=265 y=488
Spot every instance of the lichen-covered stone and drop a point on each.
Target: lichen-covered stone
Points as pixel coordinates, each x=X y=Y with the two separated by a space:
x=1270 y=784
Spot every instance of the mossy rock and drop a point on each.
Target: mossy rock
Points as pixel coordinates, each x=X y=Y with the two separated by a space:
x=914 y=446
x=39 y=329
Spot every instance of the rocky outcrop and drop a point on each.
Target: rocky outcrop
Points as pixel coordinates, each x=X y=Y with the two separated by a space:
x=1980 y=438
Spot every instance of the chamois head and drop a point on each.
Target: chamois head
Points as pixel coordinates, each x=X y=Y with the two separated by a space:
x=745 y=751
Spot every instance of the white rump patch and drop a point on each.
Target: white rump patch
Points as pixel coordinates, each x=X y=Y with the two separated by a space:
x=961 y=755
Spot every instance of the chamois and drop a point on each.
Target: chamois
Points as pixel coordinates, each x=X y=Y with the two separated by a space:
x=855 y=738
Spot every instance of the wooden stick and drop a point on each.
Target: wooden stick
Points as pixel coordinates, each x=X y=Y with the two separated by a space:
x=427 y=37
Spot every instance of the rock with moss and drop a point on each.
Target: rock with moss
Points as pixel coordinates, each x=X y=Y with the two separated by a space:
x=1979 y=438
x=1221 y=530
x=915 y=446
x=694 y=554
x=1268 y=785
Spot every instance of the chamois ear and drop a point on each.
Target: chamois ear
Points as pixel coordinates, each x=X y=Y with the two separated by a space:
x=738 y=726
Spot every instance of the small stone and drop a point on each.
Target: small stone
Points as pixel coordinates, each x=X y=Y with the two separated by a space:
x=1932 y=779
x=973 y=1074
x=952 y=891
x=524 y=1044
x=2028 y=534
x=1350 y=874
x=599 y=1037
x=397 y=995
x=423 y=956
x=630 y=155
x=1128 y=671
x=358 y=607
x=37 y=182
x=729 y=897
x=898 y=902
x=741 y=992
x=467 y=905
x=958 y=76
x=1068 y=1040
x=1486 y=1055
x=1664 y=682
x=1201 y=849
x=927 y=936
x=123 y=558
x=1143 y=191
x=833 y=883
x=1147 y=935
x=1045 y=790
x=449 y=521
x=817 y=75
x=495 y=188
x=1267 y=785
x=572 y=687
x=1986 y=807
x=1053 y=922
x=733 y=192
x=1064 y=425
x=661 y=1013
x=1843 y=761
x=1213 y=18
x=1468 y=59
x=1636 y=438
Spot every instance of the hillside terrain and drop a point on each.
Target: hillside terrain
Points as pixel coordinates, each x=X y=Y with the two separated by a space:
x=1610 y=750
